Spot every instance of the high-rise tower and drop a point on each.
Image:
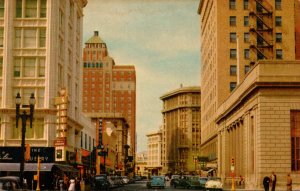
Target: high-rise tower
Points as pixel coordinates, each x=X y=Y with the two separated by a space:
x=108 y=89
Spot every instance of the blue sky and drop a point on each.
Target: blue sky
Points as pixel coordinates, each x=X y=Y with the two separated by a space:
x=160 y=38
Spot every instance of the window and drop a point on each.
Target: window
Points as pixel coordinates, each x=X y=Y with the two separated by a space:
x=232 y=37
x=43 y=12
x=17 y=67
x=232 y=86
x=1 y=37
x=232 y=4
x=278 y=21
x=295 y=140
x=278 y=4
x=233 y=53
x=246 y=21
x=247 y=68
x=19 y=9
x=42 y=37
x=41 y=67
x=31 y=8
x=1 y=8
x=29 y=67
x=246 y=37
x=232 y=70
x=279 y=54
x=29 y=38
x=278 y=37
x=232 y=21
x=246 y=53
x=17 y=39
x=1 y=66
x=246 y=4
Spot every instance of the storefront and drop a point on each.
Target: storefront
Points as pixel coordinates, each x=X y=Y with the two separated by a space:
x=49 y=170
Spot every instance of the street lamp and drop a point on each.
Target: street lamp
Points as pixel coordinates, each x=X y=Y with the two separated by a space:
x=24 y=116
x=104 y=153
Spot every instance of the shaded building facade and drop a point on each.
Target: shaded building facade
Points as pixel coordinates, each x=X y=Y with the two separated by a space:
x=180 y=130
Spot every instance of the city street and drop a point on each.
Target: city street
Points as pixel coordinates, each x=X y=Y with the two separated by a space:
x=141 y=185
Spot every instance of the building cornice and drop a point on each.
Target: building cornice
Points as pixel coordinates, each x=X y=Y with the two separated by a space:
x=190 y=89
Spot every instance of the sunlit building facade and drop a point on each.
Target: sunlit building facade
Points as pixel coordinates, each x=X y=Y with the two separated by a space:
x=108 y=89
x=40 y=53
x=154 y=146
x=247 y=48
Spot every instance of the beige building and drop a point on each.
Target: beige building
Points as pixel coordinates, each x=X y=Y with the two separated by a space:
x=154 y=146
x=237 y=116
x=180 y=130
x=40 y=53
x=141 y=164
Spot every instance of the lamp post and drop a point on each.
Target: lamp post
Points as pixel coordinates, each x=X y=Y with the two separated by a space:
x=104 y=153
x=24 y=116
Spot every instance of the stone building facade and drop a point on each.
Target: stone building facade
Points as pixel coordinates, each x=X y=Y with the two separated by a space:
x=154 y=146
x=180 y=130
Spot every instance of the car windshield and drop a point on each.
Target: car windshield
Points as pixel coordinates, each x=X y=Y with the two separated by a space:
x=157 y=178
x=8 y=185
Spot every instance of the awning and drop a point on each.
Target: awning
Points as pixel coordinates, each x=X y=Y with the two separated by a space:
x=45 y=167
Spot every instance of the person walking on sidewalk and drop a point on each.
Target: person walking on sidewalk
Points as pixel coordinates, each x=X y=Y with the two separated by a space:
x=289 y=182
x=266 y=183
x=273 y=181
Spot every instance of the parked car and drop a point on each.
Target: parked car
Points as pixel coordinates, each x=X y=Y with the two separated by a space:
x=173 y=178
x=125 y=179
x=214 y=183
x=187 y=182
x=11 y=183
x=202 y=181
x=156 y=182
x=100 y=182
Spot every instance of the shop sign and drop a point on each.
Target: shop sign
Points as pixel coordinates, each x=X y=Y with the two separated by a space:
x=12 y=154
x=60 y=142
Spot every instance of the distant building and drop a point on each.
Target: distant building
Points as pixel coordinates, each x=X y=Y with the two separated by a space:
x=250 y=88
x=154 y=146
x=141 y=164
x=109 y=91
x=181 y=130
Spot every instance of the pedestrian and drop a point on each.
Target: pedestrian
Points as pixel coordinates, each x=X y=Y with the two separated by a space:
x=289 y=182
x=266 y=183
x=273 y=181
x=72 y=185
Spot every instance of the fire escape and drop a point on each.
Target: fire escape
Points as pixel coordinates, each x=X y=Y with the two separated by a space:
x=261 y=30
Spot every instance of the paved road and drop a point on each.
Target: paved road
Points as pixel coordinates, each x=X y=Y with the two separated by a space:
x=141 y=186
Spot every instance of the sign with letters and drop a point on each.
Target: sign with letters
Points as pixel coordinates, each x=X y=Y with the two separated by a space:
x=12 y=154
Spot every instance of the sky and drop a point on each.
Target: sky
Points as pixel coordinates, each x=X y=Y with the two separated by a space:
x=161 y=38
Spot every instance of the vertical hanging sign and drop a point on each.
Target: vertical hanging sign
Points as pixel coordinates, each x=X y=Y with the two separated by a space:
x=100 y=133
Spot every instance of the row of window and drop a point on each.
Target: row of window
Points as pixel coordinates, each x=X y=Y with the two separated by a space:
x=233 y=21
x=232 y=4
x=233 y=69
x=93 y=65
x=233 y=54
x=30 y=8
x=233 y=37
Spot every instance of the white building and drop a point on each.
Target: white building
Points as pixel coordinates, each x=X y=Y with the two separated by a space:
x=154 y=145
x=40 y=53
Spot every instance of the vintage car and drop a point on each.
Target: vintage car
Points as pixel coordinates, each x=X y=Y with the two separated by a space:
x=203 y=181
x=174 y=178
x=100 y=182
x=214 y=183
x=188 y=182
x=156 y=182
x=11 y=183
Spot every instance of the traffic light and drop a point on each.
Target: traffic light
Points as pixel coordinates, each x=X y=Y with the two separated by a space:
x=27 y=152
x=232 y=161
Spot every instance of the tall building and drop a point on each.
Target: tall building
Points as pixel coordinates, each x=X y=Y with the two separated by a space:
x=154 y=146
x=248 y=52
x=181 y=129
x=141 y=164
x=108 y=89
x=40 y=53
